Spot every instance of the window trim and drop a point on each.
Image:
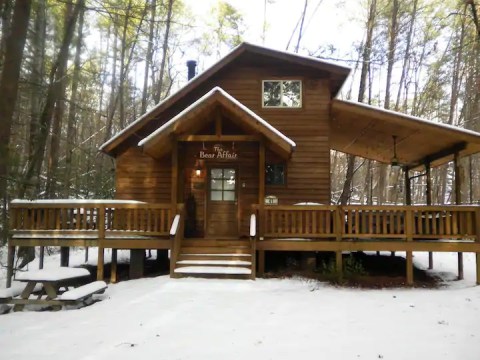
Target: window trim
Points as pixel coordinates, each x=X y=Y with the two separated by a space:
x=281 y=106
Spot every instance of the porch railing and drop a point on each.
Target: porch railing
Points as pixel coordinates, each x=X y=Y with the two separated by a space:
x=368 y=222
x=90 y=216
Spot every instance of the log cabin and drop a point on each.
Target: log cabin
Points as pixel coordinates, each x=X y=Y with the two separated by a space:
x=236 y=165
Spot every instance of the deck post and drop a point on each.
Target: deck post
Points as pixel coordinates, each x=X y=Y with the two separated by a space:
x=101 y=237
x=409 y=233
x=458 y=201
x=113 y=267
x=10 y=262
x=261 y=206
x=408 y=188
x=174 y=193
x=41 y=257
x=428 y=174
x=338 y=237
x=477 y=231
x=100 y=263
x=261 y=263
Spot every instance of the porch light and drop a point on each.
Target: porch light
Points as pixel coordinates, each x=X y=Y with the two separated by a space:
x=198 y=169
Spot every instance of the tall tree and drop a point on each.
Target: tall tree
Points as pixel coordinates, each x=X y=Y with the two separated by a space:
x=9 y=81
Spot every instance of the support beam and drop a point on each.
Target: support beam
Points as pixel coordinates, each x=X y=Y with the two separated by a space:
x=261 y=263
x=137 y=262
x=10 y=262
x=409 y=264
x=174 y=192
x=339 y=265
x=261 y=173
x=64 y=256
x=458 y=201
x=100 y=263
x=408 y=188
x=42 y=257
x=477 y=232
x=428 y=196
x=113 y=267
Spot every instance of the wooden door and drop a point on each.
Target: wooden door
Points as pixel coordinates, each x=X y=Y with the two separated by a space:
x=222 y=200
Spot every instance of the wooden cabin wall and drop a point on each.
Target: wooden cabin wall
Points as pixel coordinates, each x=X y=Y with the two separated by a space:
x=308 y=171
x=142 y=178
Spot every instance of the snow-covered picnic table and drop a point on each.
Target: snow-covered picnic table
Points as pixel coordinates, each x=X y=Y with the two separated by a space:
x=52 y=280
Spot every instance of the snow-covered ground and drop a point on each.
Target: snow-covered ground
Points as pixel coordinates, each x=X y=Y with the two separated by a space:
x=165 y=318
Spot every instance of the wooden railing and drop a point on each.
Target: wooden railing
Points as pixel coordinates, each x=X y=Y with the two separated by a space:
x=369 y=222
x=108 y=217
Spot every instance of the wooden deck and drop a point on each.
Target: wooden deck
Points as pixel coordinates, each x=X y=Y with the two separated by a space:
x=135 y=225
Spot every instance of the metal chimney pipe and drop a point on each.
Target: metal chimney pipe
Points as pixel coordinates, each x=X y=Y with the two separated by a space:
x=192 y=66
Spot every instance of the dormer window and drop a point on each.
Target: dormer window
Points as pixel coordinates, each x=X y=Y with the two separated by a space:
x=282 y=93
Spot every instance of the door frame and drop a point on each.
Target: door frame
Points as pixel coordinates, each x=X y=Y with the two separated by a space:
x=221 y=165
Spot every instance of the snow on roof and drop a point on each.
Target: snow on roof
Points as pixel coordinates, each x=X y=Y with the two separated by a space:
x=75 y=201
x=201 y=100
x=410 y=117
x=206 y=71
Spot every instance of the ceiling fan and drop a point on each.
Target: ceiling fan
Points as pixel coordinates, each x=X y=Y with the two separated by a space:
x=394 y=162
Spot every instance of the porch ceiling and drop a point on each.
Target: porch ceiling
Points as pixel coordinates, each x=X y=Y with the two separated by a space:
x=368 y=132
x=160 y=142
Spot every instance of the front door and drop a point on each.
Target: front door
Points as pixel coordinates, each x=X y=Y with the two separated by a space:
x=222 y=200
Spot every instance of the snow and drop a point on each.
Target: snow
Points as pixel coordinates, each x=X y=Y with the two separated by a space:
x=75 y=201
x=83 y=291
x=253 y=225
x=176 y=221
x=216 y=262
x=201 y=100
x=55 y=274
x=262 y=319
x=213 y=270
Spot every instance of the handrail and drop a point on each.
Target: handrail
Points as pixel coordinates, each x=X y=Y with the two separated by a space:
x=176 y=234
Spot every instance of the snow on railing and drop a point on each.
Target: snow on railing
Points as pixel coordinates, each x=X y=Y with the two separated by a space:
x=253 y=225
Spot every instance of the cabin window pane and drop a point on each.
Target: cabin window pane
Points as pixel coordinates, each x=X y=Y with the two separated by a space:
x=282 y=93
x=216 y=173
x=229 y=195
x=222 y=184
x=216 y=184
x=216 y=195
x=275 y=174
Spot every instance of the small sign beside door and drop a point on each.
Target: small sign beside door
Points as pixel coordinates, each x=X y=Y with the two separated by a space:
x=271 y=200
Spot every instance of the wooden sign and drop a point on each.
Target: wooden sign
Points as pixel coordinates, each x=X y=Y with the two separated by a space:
x=218 y=152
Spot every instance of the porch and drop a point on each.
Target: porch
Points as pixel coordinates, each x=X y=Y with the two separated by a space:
x=310 y=228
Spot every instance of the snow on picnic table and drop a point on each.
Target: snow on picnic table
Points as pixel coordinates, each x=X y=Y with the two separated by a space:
x=264 y=319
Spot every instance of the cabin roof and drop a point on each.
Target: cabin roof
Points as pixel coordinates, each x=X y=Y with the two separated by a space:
x=368 y=131
x=158 y=142
x=245 y=51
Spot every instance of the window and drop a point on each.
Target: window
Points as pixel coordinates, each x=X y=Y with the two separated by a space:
x=222 y=184
x=275 y=174
x=282 y=93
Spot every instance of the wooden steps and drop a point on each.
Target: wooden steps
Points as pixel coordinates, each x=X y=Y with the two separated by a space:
x=215 y=258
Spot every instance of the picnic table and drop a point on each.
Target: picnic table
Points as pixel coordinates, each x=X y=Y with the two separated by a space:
x=55 y=285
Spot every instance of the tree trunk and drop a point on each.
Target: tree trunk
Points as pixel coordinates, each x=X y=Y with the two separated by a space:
x=148 y=59
x=72 y=113
x=163 y=63
x=9 y=79
x=346 y=192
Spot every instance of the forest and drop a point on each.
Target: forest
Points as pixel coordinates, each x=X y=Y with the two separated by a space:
x=75 y=72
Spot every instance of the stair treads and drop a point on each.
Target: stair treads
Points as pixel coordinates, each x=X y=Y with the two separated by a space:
x=213 y=270
x=214 y=262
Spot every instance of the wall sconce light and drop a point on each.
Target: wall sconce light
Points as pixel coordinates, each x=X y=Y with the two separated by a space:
x=198 y=169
